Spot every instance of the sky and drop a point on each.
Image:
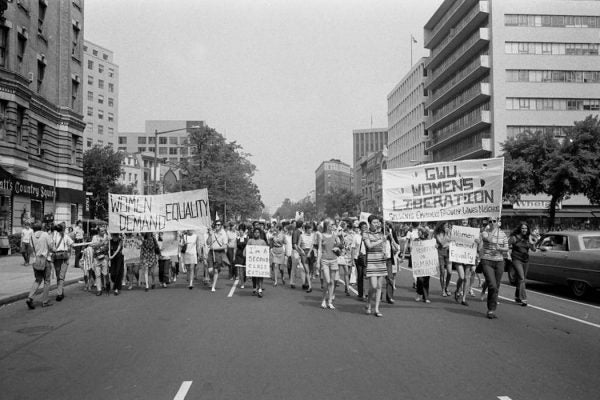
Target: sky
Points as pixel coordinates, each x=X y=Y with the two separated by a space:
x=289 y=80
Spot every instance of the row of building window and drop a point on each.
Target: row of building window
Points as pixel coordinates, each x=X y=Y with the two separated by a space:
x=549 y=48
x=90 y=113
x=90 y=97
x=111 y=86
x=461 y=123
x=459 y=99
x=555 y=21
x=111 y=71
x=557 y=131
x=161 y=140
x=532 y=75
x=95 y=53
x=173 y=151
x=462 y=147
x=90 y=127
x=457 y=54
x=545 y=104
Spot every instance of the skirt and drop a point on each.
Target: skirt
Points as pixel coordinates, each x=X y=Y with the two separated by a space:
x=376 y=265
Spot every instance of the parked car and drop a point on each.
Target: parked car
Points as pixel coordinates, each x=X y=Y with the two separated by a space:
x=569 y=258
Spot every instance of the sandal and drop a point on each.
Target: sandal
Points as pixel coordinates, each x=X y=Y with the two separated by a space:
x=378 y=314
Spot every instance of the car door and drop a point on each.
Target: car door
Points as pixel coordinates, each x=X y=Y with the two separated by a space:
x=547 y=263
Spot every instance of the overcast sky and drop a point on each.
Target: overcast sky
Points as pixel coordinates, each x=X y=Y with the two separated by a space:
x=289 y=80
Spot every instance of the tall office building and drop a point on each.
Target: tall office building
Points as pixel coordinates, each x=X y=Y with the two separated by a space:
x=500 y=67
x=330 y=176
x=41 y=121
x=101 y=96
x=407 y=137
x=365 y=142
x=172 y=146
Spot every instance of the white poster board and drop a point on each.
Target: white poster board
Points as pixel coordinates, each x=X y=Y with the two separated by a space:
x=131 y=248
x=443 y=191
x=463 y=248
x=425 y=260
x=257 y=261
x=158 y=213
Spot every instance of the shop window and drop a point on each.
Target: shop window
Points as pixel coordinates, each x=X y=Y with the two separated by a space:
x=37 y=210
x=74 y=213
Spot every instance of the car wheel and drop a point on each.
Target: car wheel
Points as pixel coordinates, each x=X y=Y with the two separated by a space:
x=578 y=288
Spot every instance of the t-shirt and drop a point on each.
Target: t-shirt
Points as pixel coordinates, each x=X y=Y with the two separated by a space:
x=296 y=237
x=26 y=234
x=64 y=244
x=217 y=240
x=42 y=243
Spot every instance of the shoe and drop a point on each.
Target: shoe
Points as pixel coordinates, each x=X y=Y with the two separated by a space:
x=347 y=293
x=153 y=286
x=368 y=311
x=391 y=301
x=212 y=290
x=242 y=287
x=444 y=294
x=491 y=315
x=189 y=287
x=456 y=296
x=145 y=289
x=254 y=292
x=309 y=290
x=116 y=292
x=60 y=297
x=99 y=293
x=46 y=304
x=524 y=303
x=427 y=301
x=129 y=287
x=274 y=284
x=323 y=305
x=331 y=306
x=29 y=303
x=293 y=286
x=464 y=303
x=471 y=294
x=518 y=301
x=418 y=298
x=378 y=314
x=260 y=294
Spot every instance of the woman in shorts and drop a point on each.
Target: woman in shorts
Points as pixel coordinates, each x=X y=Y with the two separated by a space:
x=327 y=256
x=306 y=254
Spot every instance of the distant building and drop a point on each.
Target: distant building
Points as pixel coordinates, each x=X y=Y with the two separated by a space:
x=371 y=188
x=172 y=147
x=331 y=175
x=365 y=142
x=41 y=121
x=101 y=96
x=407 y=137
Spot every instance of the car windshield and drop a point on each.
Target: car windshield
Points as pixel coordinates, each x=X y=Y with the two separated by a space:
x=591 y=242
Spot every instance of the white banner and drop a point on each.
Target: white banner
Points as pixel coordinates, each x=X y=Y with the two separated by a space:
x=443 y=191
x=257 y=261
x=463 y=248
x=131 y=248
x=158 y=213
x=425 y=261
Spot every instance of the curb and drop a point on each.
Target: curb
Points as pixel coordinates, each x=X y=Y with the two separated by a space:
x=22 y=296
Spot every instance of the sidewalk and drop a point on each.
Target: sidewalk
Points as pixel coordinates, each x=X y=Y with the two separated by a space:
x=16 y=279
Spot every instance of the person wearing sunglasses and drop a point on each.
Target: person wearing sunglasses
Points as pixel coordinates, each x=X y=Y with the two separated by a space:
x=495 y=246
x=217 y=258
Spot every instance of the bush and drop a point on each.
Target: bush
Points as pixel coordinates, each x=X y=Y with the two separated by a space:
x=15 y=243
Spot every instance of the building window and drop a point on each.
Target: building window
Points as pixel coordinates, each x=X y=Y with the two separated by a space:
x=41 y=69
x=90 y=111
x=90 y=96
x=90 y=80
x=151 y=149
x=21 y=45
x=100 y=129
x=122 y=139
x=162 y=140
x=89 y=143
x=111 y=72
x=95 y=52
x=104 y=56
x=100 y=84
x=100 y=99
x=162 y=150
x=41 y=16
x=173 y=140
x=75 y=47
x=141 y=150
x=90 y=64
x=151 y=140
x=73 y=150
x=40 y=139
x=111 y=117
x=100 y=114
x=141 y=140
x=3 y=106
x=100 y=68
x=111 y=102
x=173 y=151
x=111 y=130
x=111 y=87
x=3 y=46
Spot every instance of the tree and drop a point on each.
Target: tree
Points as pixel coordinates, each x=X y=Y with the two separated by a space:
x=101 y=169
x=341 y=200
x=224 y=169
x=120 y=188
x=538 y=162
x=288 y=209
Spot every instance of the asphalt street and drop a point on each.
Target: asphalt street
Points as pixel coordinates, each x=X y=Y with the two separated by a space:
x=177 y=343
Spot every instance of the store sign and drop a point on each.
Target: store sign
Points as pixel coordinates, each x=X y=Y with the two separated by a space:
x=534 y=205
x=21 y=187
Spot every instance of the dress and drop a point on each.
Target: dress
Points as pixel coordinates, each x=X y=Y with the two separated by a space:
x=191 y=253
x=148 y=257
x=376 y=263
x=278 y=248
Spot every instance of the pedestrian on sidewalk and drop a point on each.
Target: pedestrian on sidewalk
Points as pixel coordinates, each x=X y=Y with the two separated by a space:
x=26 y=233
x=42 y=268
x=521 y=241
x=62 y=250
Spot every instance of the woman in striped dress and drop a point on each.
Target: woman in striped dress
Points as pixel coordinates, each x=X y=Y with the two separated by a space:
x=376 y=270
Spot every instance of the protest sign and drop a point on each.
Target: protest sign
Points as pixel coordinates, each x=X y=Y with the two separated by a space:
x=443 y=191
x=131 y=248
x=257 y=261
x=425 y=260
x=364 y=216
x=158 y=213
x=463 y=248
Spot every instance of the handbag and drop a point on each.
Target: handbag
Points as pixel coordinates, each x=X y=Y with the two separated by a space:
x=184 y=245
x=39 y=262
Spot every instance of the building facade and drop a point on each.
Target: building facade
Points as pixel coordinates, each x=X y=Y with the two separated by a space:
x=101 y=96
x=330 y=176
x=172 y=146
x=41 y=121
x=371 y=185
x=407 y=137
x=365 y=142
x=499 y=68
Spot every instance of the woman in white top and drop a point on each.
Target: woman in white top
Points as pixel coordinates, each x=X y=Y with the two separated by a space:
x=189 y=253
x=62 y=250
x=26 y=235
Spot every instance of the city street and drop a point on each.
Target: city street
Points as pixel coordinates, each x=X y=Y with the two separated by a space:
x=177 y=343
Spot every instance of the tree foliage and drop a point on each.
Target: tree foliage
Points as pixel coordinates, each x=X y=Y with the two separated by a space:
x=538 y=162
x=340 y=201
x=288 y=209
x=224 y=169
x=101 y=170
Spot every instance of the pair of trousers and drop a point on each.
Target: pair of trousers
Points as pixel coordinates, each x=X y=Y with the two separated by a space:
x=60 y=267
x=360 y=277
x=163 y=270
x=232 y=269
x=27 y=250
x=116 y=271
x=492 y=270
x=293 y=266
x=389 y=282
x=423 y=286
x=521 y=270
x=39 y=277
x=78 y=253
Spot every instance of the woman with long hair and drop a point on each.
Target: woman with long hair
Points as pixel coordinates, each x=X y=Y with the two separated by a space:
x=327 y=255
x=495 y=245
x=520 y=242
x=306 y=254
x=239 y=260
x=376 y=269
x=441 y=235
x=149 y=258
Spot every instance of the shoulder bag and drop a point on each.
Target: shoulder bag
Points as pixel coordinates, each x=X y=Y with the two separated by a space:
x=39 y=262
x=60 y=255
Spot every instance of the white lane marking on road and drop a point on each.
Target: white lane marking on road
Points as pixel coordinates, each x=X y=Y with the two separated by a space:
x=185 y=386
x=546 y=310
x=235 y=283
x=563 y=299
x=504 y=398
x=350 y=288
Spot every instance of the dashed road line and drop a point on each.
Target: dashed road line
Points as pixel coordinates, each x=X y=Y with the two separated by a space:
x=183 y=389
x=235 y=283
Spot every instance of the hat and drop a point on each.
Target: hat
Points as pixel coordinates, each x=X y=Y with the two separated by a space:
x=356 y=223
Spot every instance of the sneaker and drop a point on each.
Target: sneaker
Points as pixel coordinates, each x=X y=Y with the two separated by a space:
x=29 y=303
x=491 y=315
x=212 y=290
x=323 y=305
x=241 y=287
x=260 y=293
x=418 y=298
x=524 y=303
x=427 y=301
x=331 y=306
x=471 y=293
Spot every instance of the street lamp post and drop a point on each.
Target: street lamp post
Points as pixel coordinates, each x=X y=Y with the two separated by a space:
x=156 y=133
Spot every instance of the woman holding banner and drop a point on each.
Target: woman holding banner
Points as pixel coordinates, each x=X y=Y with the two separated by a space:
x=442 y=238
x=376 y=269
x=495 y=245
x=117 y=262
x=257 y=282
x=149 y=252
